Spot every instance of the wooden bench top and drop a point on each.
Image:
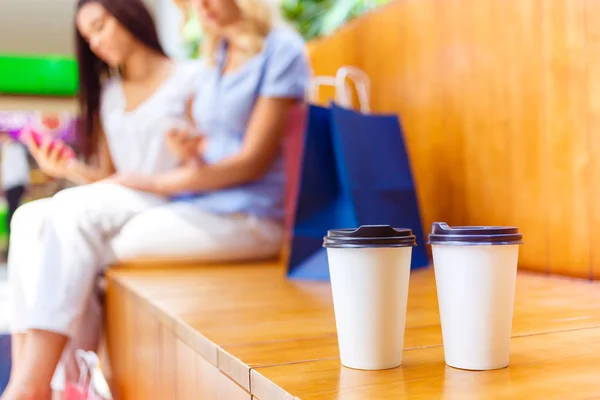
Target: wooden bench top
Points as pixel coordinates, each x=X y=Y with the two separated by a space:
x=276 y=338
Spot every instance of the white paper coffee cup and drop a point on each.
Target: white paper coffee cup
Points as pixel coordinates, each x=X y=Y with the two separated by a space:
x=475 y=273
x=370 y=272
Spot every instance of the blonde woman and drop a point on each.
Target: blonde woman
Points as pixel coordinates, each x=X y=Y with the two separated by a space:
x=255 y=72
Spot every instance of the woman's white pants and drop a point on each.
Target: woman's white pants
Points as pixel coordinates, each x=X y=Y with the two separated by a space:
x=59 y=247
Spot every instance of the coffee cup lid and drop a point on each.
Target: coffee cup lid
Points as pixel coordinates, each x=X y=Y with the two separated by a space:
x=441 y=233
x=370 y=236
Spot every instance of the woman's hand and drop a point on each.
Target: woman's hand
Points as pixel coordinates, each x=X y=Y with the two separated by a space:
x=168 y=183
x=185 y=144
x=52 y=157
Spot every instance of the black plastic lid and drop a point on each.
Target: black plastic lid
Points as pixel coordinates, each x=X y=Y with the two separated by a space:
x=370 y=236
x=441 y=233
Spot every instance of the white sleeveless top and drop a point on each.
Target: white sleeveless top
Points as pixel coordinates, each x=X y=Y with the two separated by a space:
x=136 y=138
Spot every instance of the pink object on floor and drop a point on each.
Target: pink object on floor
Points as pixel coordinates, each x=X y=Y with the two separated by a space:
x=77 y=392
x=91 y=385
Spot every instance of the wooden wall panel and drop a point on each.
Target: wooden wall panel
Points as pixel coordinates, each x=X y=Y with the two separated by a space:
x=133 y=344
x=487 y=118
x=120 y=317
x=167 y=380
x=207 y=378
x=186 y=372
x=526 y=124
x=149 y=361
x=114 y=331
x=147 y=352
x=592 y=14
x=501 y=113
x=567 y=187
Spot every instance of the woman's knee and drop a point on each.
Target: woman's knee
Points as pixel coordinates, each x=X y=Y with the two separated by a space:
x=29 y=215
x=182 y=231
x=71 y=197
x=150 y=234
x=76 y=203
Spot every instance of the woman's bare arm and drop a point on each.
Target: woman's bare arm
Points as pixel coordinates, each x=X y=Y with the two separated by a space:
x=81 y=173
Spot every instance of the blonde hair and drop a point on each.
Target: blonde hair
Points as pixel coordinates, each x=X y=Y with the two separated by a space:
x=259 y=17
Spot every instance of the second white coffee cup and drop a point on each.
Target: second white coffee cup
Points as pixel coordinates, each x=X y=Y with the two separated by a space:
x=370 y=272
x=475 y=274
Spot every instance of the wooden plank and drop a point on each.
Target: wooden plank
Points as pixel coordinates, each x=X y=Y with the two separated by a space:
x=228 y=389
x=121 y=340
x=266 y=388
x=185 y=279
x=167 y=379
x=207 y=376
x=292 y=305
x=526 y=109
x=544 y=366
x=594 y=236
x=542 y=305
x=267 y=321
x=567 y=165
x=213 y=385
x=592 y=14
x=187 y=372
x=237 y=361
x=147 y=351
x=304 y=309
x=130 y=321
x=488 y=177
x=454 y=76
x=115 y=336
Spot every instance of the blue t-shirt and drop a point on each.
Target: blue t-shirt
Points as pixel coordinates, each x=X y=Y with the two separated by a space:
x=222 y=108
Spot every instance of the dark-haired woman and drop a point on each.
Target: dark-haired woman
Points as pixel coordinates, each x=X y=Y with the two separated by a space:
x=131 y=94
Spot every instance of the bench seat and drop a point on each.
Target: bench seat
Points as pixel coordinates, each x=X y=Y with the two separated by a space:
x=244 y=331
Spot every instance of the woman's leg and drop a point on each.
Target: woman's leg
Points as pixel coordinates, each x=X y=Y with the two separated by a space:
x=182 y=231
x=87 y=338
x=17 y=343
x=26 y=233
x=78 y=226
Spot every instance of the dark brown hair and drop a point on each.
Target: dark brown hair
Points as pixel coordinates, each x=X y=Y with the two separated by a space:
x=135 y=18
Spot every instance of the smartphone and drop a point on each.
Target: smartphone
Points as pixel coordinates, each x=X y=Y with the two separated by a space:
x=43 y=126
x=38 y=138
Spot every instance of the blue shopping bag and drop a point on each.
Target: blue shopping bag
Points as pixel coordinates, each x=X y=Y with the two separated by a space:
x=355 y=171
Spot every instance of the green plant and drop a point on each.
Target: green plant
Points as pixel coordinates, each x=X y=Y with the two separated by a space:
x=314 y=18
x=192 y=34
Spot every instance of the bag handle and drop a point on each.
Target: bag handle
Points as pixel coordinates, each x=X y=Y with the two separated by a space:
x=362 y=83
x=80 y=356
x=342 y=88
x=90 y=376
x=316 y=83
